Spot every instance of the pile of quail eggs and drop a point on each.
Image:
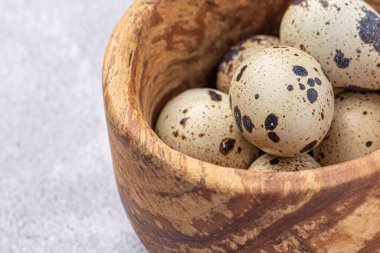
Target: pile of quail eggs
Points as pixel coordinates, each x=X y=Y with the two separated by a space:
x=306 y=99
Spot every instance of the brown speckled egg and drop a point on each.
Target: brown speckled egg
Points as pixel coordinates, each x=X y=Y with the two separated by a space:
x=355 y=129
x=343 y=35
x=199 y=123
x=238 y=54
x=282 y=101
x=269 y=163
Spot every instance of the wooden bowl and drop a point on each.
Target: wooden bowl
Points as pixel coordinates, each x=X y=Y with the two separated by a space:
x=180 y=204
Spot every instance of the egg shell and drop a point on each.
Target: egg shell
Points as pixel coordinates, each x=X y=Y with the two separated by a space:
x=238 y=54
x=344 y=36
x=355 y=130
x=282 y=101
x=269 y=163
x=199 y=123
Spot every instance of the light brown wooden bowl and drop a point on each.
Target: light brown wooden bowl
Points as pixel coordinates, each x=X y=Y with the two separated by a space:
x=180 y=204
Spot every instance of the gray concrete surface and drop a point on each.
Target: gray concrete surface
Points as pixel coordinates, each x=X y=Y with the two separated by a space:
x=57 y=188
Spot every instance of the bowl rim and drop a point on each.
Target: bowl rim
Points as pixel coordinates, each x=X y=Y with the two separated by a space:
x=125 y=119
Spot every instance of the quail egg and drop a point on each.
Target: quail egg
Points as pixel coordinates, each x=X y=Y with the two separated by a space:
x=343 y=35
x=282 y=101
x=355 y=129
x=238 y=54
x=199 y=123
x=269 y=163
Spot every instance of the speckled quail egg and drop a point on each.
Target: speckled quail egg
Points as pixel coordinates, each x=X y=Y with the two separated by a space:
x=343 y=35
x=199 y=123
x=238 y=54
x=269 y=163
x=282 y=101
x=355 y=129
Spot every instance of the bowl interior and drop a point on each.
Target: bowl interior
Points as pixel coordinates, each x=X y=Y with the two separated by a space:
x=171 y=46
x=184 y=41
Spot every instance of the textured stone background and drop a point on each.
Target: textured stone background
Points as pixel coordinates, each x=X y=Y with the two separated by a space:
x=57 y=188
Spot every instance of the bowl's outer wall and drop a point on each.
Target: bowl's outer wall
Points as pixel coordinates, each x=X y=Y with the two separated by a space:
x=179 y=204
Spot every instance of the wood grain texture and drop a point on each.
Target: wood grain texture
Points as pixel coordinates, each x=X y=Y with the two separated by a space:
x=180 y=204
